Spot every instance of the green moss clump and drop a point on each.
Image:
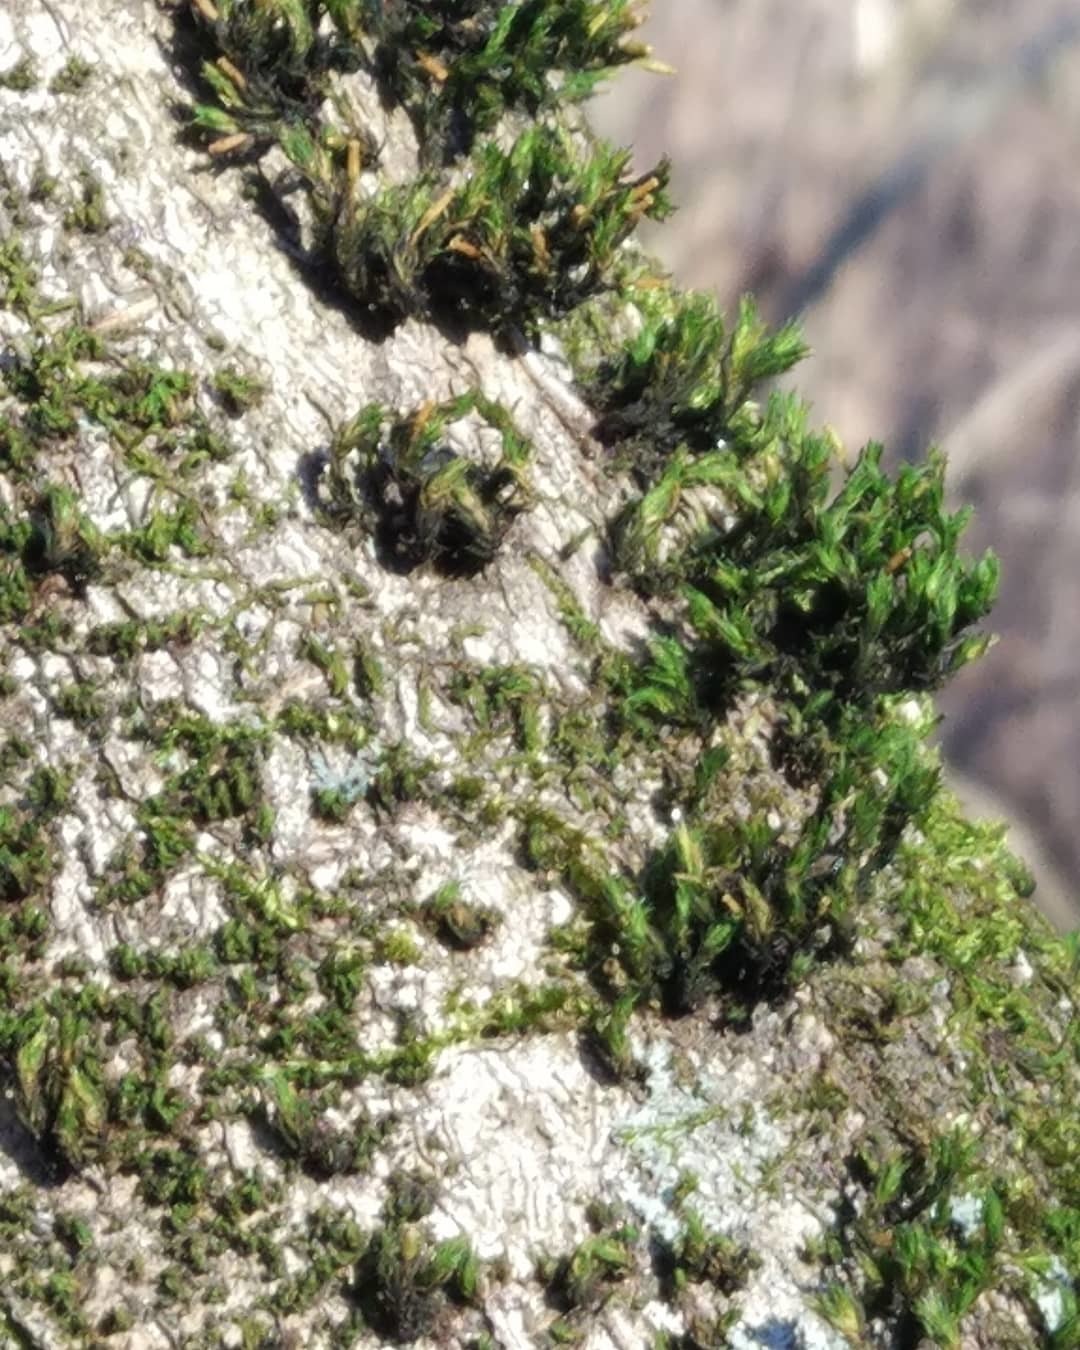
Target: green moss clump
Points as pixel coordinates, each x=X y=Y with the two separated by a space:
x=584 y=1278
x=148 y=410
x=20 y=77
x=323 y=1150
x=238 y=392
x=60 y=1096
x=531 y=233
x=839 y=607
x=18 y=278
x=87 y=213
x=456 y=922
x=684 y=378
x=217 y=780
x=458 y=67
x=27 y=857
x=925 y=1264
x=271 y=67
x=502 y=698
x=523 y=234
x=72 y=77
x=403 y=1279
x=829 y=601
x=425 y=501
x=126 y=639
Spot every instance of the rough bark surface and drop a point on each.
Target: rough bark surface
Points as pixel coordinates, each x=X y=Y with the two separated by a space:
x=465 y=1066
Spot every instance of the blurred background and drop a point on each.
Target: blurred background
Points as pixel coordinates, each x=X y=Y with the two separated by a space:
x=905 y=175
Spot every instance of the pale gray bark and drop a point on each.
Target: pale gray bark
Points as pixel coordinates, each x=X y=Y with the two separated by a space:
x=520 y=1133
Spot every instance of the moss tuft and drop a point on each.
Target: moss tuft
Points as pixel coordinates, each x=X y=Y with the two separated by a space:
x=423 y=499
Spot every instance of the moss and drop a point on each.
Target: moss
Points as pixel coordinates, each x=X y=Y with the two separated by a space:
x=148 y=410
x=72 y=77
x=81 y=703
x=219 y=782
x=403 y=1279
x=581 y=628
x=43 y=185
x=828 y=864
x=456 y=922
x=340 y=726
x=501 y=698
x=583 y=1278
x=56 y=1051
x=26 y=853
x=683 y=380
x=694 y=1259
x=330 y=662
x=321 y=1149
x=457 y=69
x=20 y=77
x=18 y=276
x=866 y=601
x=332 y=804
x=239 y=393
x=341 y=977
x=87 y=213
x=530 y=234
x=49 y=537
x=423 y=500
x=398 y=947
x=125 y=640
x=270 y=68
x=115 y=1321
x=932 y=1267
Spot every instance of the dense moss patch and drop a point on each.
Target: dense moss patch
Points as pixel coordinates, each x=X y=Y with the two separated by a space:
x=403 y=1279
x=424 y=500
x=510 y=236
x=456 y=68
x=739 y=807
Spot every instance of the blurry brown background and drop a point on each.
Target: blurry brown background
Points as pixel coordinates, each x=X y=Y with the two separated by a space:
x=906 y=175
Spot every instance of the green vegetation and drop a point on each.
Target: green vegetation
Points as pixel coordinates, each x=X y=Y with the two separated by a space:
x=697 y=1256
x=27 y=857
x=456 y=922
x=73 y=76
x=523 y=234
x=51 y=538
x=531 y=233
x=458 y=68
x=60 y=1094
x=841 y=609
x=20 y=77
x=238 y=392
x=585 y=1277
x=423 y=500
x=774 y=723
x=923 y=1265
x=403 y=1278
x=87 y=213
x=322 y=1149
x=684 y=379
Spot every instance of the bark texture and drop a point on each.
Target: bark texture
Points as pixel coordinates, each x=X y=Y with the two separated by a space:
x=400 y=1133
